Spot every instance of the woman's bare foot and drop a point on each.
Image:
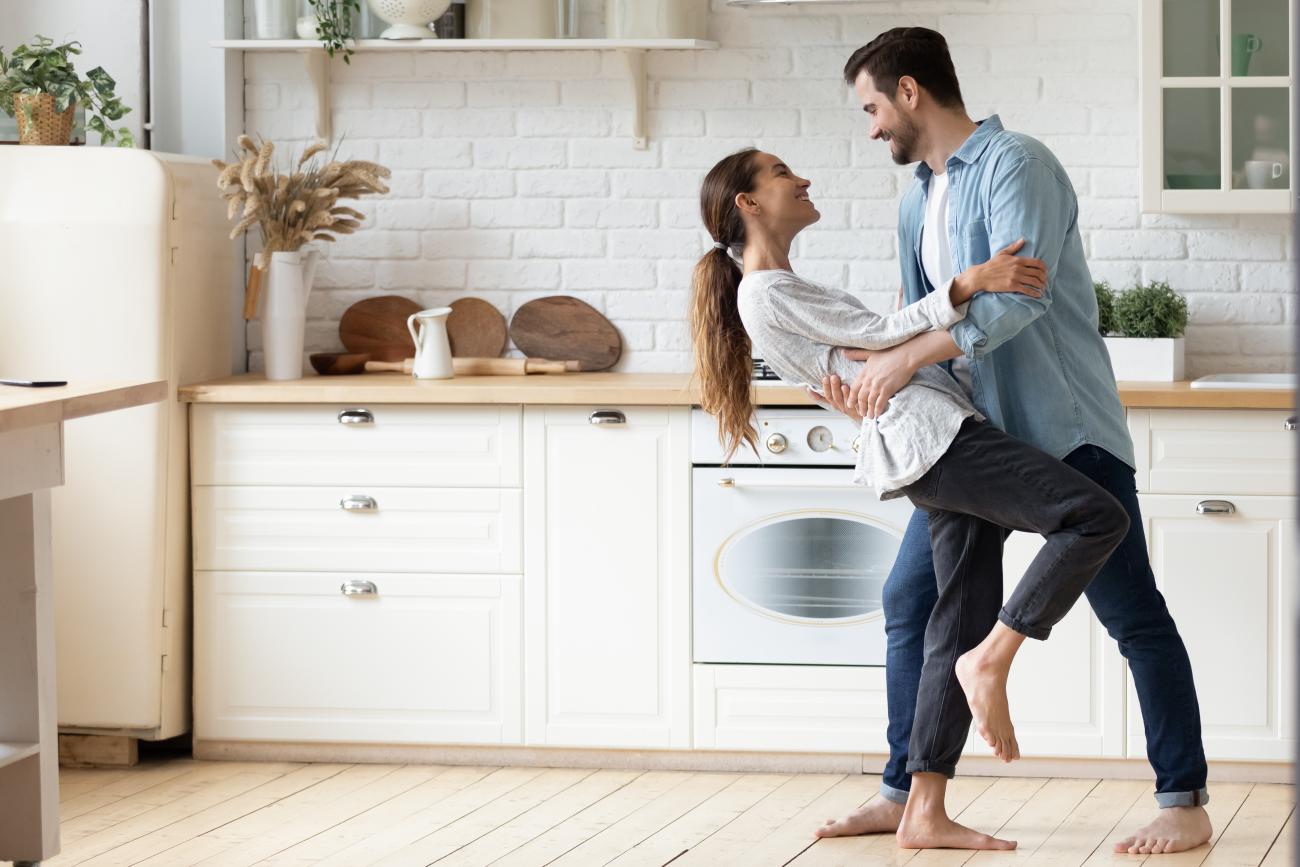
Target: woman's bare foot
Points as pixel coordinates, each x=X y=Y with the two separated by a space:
x=877 y=816
x=985 y=683
x=940 y=832
x=1176 y=829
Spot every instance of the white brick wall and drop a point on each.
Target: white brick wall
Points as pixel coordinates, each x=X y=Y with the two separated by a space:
x=514 y=176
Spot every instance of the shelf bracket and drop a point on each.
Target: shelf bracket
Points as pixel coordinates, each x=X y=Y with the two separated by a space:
x=318 y=70
x=635 y=59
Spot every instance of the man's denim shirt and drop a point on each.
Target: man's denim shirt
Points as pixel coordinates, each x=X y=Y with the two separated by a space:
x=1049 y=382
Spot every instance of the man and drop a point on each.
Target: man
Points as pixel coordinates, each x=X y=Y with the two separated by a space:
x=1037 y=368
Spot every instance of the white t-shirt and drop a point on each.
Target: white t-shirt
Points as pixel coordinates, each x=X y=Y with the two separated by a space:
x=936 y=256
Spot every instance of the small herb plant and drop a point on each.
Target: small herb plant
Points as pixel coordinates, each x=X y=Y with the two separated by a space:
x=1151 y=310
x=44 y=67
x=1145 y=310
x=334 y=24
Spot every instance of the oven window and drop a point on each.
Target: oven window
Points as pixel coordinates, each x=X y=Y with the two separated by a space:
x=809 y=568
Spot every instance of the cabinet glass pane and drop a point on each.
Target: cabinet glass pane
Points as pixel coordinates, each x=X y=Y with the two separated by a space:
x=1261 y=147
x=1190 y=37
x=1192 y=139
x=810 y=568
x=1260 y=37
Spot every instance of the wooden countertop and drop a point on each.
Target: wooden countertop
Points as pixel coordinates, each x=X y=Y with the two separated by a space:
x=25 y=407
x=646 y=389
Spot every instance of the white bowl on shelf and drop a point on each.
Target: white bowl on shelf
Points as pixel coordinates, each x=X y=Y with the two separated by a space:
x=410 y=18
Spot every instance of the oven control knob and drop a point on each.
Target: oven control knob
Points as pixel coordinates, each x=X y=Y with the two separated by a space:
x=776 y=443
x=857 y=441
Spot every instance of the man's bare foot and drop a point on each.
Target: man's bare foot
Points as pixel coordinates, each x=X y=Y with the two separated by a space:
x=877 y=816
x=1176 y=829
x=985 y=686
x=940 y=832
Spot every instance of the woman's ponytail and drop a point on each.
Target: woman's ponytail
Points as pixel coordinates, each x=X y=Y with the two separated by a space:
x=722 y=348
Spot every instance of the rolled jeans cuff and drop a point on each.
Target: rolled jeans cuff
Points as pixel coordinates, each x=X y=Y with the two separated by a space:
x=1037 y=633
x=925 y=766
x=889 y=793
x=1198 y=798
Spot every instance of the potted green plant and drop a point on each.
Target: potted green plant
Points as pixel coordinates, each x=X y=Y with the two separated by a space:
x=1143 y=328
x=40 y=87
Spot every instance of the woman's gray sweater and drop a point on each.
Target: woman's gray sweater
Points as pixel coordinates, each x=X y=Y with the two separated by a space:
x=796 y=327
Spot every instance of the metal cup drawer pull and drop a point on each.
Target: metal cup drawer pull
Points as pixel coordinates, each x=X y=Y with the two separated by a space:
x=358 y=588
x=356 y=416
x=358 y=503
x=1290 y=424
x=1215 y=507
x=607 y=416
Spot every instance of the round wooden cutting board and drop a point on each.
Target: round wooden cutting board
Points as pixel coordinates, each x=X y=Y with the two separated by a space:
x=377 y=327
x=562 y=326
x=476 y=329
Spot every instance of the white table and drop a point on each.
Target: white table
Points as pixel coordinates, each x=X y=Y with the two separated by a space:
x=31 y=462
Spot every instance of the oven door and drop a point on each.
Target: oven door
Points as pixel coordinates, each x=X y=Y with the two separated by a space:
x=789 y=564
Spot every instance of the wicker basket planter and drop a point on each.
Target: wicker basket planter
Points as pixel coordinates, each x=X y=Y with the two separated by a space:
x=47 y=127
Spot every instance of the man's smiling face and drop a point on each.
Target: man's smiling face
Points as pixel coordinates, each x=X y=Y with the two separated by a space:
x=889 y=120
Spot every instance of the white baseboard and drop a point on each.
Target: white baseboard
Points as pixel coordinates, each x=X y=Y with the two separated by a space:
x=702 y=760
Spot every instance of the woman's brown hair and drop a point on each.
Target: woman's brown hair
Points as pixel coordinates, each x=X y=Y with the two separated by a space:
x=722 y=348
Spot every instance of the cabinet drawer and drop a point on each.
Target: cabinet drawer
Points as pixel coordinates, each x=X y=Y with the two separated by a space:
x=424 y=659
x=1213 y=451
x=791 y=708
x=407 y=530
x=381 y=445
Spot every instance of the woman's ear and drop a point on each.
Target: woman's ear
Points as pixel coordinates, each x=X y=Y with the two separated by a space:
x=746 y=205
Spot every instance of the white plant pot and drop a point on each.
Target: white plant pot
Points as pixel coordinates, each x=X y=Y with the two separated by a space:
x=286 y=286
x=1142 y=359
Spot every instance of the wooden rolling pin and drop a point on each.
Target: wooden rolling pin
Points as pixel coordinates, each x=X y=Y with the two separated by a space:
x=483 y=366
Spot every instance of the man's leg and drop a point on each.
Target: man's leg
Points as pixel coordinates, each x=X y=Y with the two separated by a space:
x=1128 y=603
x=909 y=597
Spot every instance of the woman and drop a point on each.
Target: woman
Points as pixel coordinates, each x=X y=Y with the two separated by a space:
x=929 y=445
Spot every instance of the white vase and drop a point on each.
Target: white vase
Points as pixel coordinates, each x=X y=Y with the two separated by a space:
x=432 y=346
x=285 y=288
x=1141 y=359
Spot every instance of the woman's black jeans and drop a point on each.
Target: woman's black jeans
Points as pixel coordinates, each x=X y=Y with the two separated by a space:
x=985 y=482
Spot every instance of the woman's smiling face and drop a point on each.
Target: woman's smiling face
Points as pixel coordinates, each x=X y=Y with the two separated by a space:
x=781 y=196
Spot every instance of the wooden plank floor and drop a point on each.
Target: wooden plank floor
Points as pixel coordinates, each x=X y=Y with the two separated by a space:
x=184 y=812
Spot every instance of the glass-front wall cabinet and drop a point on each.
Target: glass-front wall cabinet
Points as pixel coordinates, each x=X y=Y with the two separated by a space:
x=1216 y=85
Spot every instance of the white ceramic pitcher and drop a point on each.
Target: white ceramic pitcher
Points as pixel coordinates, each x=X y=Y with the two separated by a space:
x=432 y=348
x=284 y=316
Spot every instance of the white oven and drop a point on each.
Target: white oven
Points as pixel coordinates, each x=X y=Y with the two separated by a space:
x=789 y=556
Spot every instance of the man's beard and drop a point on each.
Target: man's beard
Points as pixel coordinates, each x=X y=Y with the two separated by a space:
x=905 y=138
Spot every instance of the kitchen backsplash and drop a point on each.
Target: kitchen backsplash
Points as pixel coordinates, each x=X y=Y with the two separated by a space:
x=514 y=174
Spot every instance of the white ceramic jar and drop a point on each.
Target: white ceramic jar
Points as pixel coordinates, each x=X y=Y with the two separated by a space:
x=512 y=19
x=656 y=19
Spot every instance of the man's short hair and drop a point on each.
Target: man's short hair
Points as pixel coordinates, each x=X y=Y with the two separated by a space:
x=916 y=51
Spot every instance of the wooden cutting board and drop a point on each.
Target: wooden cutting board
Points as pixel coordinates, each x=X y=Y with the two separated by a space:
x=377 y=327
x=562 y=326
x=475 y=329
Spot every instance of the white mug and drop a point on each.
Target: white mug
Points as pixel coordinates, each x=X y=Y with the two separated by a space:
x=432 y=348
x=1260 y=174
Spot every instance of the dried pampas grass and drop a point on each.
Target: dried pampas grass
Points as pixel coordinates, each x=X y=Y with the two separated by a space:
x=296 y=207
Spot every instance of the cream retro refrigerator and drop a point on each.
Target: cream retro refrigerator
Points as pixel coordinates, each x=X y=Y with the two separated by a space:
x=115 y=265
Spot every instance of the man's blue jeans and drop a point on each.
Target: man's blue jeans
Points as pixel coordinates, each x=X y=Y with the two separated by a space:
x=1128 y=604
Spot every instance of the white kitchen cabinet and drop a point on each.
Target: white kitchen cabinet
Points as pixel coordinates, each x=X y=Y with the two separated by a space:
x=791 y=708
x=1066 y=693
x=347 y=444
x=1217 y=495
x=1216 y=95
x=358 y=528
x=1229 y=583
x=357 y=657
x=607 y=576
